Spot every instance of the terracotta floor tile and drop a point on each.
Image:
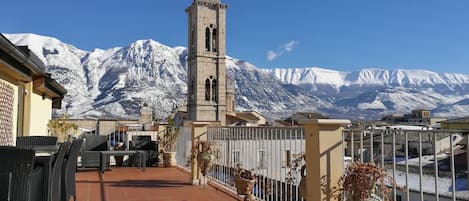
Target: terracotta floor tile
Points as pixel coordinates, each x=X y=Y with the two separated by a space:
x=130 y=184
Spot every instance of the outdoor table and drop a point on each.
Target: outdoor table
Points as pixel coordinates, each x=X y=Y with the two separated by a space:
x=141 y=157
x=45 y=159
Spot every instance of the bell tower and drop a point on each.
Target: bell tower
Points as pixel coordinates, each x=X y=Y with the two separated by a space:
x=206 y=87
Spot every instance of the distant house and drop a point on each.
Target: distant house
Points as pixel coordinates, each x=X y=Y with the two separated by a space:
x=27 y=93
x=420 y=117
x=247 y=118
x=255 y=117
x=456 y=124
x=295 y=118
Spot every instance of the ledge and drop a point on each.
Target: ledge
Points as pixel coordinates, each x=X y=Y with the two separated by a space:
x=200 y=123
x=325 y=121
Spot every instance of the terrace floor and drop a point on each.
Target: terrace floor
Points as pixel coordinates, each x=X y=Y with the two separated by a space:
x=155 y=184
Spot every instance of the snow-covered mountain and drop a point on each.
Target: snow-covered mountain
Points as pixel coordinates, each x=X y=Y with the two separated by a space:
x=115 y=82
x=379 y=91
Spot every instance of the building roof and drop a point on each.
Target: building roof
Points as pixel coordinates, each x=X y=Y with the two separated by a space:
x=248 y=116
x=304 y=116
x=294 y=118
x=233 y=120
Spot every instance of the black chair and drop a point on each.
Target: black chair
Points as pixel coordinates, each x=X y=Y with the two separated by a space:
x=56 y=175
x=38 y=143
x=92 y=145
x=69 y=170
x=144 y=143
x=5 y=183
x=25 y=181
x=141 y=142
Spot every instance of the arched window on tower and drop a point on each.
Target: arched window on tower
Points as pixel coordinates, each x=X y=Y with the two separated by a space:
x=214 y=90
x=192 y=41
x=207 y=39
x=214 y=40
x=207 y=89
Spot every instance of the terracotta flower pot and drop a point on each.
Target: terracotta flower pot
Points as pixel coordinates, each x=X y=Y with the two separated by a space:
x=243 y=186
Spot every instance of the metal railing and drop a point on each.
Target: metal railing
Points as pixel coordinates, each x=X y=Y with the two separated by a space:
x=269 y=152
x=428 y=164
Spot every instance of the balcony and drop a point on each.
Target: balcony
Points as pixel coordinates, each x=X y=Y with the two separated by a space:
x=428 y=164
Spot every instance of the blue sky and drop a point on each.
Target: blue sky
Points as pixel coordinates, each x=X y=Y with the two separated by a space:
x=336 y=34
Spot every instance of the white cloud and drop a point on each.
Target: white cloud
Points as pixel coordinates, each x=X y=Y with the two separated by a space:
x=288 y=47
x=271 y=55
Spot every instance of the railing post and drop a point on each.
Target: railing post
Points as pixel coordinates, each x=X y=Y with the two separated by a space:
x=324 y=156
x=198 y=133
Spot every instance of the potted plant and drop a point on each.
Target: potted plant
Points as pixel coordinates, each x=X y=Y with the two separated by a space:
x=168 y=142
x=244 y=182
x=364 y=181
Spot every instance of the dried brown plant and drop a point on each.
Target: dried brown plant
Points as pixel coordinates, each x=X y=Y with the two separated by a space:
x=297 y=161
x=361 y=180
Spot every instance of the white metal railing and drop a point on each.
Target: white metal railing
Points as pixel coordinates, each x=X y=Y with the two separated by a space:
x=429 y=164
x=268 y=151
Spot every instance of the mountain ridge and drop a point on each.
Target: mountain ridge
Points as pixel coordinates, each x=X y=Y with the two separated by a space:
x=113 y=83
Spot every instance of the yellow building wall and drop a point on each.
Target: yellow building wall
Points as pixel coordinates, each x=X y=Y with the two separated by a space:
x=455 y=126
x=28 y=87
x=40 y=114
x=13 y=84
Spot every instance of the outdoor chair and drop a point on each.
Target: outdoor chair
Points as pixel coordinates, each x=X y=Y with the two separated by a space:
x=92 y=145
x=5 y=183
x=144 y=143
x=56 y=175
x=69 y=170
x=26 y=181
x=38 y=143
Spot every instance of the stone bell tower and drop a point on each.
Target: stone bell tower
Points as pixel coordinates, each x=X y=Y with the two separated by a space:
x=206 y=88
